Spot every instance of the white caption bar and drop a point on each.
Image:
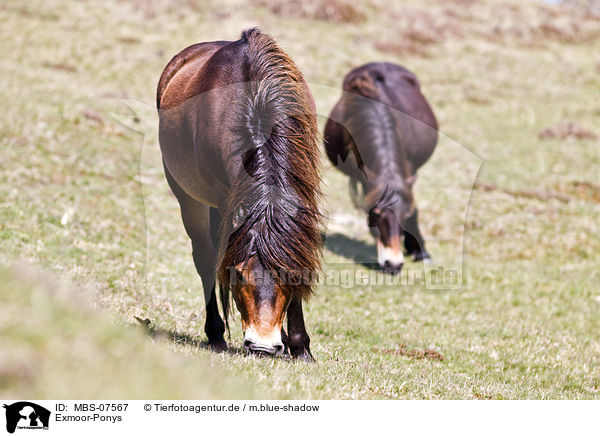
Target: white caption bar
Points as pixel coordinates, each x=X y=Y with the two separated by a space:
x=165 y=417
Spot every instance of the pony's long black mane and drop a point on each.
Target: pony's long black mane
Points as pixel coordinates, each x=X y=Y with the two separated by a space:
x=272 y=210
x=372 y=126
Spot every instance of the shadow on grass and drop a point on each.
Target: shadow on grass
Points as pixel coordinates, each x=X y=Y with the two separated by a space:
x=179 y=338
x=359 y=252
x=184 y=339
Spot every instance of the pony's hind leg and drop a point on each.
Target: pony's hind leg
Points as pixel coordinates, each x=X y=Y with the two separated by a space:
x=196 y=220
x=413 y=240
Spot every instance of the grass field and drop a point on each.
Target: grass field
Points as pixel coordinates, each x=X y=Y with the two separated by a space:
x=83 y=197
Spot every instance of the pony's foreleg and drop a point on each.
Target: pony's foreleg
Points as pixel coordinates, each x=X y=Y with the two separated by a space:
x=413 y=240
x=196 y=220
x=214 y=327
x=298 y=340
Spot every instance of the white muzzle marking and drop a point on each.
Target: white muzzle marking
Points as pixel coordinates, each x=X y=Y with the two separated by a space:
x=388 y=254
x=274 y=339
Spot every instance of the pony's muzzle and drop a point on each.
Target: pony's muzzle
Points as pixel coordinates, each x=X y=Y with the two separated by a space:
x=270 y=346
x=269 y=350
x=390 y=259
x=390 y=268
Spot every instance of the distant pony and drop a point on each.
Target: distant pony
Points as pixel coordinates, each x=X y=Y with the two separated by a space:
x=379 y=134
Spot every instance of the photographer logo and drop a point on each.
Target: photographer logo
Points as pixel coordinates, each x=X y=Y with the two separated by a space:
x=24 y=415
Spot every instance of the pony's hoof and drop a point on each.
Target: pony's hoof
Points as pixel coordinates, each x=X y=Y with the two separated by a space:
x=304 y=355
x=423 y=257
x=218 y=346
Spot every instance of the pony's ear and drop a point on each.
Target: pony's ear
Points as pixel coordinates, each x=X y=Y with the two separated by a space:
x=410 y=180
x=239 y=277
x=376 y=211
x=373 y=214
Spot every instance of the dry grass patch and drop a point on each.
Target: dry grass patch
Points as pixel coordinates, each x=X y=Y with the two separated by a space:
x=336 y=11
x=567 y=130
x=412 y=353
x=413 y=30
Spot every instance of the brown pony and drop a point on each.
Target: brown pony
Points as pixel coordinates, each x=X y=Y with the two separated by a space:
x=379 y=133
x=238 y=136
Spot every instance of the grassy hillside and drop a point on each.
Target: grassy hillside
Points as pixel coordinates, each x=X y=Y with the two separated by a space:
x=515 y=88
x=54 y=345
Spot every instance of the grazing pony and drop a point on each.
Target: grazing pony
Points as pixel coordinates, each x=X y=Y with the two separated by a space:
x=239 y=143
x=379 y=133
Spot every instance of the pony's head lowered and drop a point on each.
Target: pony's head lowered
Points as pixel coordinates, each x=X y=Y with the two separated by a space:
x=389 y=207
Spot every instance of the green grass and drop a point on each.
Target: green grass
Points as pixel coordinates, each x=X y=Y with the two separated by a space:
x=82 y=195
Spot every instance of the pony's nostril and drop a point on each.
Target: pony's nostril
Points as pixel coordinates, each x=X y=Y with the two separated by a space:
x=278 y=349
x=389 y=268
x=247 y=343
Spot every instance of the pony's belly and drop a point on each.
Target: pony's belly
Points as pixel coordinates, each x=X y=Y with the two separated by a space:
x=179 y=157
x=196 y=187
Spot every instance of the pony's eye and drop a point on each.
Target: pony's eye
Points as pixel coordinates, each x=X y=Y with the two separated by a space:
x=239 y=277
